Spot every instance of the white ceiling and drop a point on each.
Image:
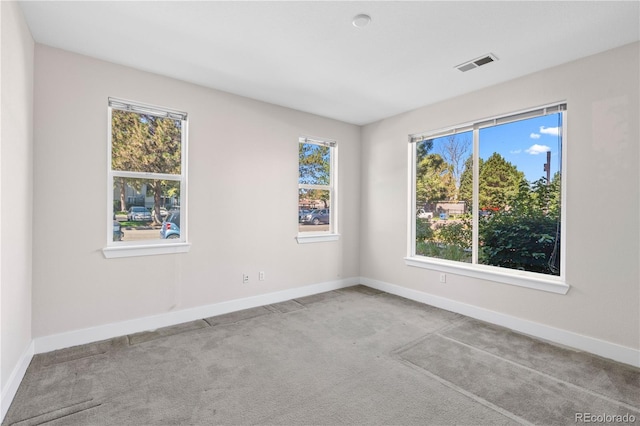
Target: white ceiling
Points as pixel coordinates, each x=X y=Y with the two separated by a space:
x=307 y=55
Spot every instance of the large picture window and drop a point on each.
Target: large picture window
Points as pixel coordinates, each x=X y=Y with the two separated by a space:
x=316 y=189
x=487 y=197
x=146 y=178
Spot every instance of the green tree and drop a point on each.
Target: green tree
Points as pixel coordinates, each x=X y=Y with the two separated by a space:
x=465 y=192
x=499 y=182
x=527 y=235
x=125 y=127
x=422 y=149
x=145 y=143
x=314 y=168
x=434 y=179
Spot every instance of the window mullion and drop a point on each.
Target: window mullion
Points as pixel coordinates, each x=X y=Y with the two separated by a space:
x=476 y=195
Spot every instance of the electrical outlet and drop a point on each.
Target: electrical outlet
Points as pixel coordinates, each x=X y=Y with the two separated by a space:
x=443 y=278
x=261 y=275
x=245 y=278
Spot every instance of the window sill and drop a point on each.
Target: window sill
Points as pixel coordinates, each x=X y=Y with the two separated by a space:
x=512 y=277
x=317 y=238
x=113 y=252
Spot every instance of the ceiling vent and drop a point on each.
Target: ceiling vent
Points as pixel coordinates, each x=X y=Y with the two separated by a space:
x=478 y=62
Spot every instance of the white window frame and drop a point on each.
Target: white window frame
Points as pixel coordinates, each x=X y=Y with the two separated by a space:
x=538 y=281
x=118 y=249
x=332 y=234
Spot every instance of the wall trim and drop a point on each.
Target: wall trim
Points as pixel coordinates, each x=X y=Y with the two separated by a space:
x=566 y=338
x=11 y=388
x=559 y=336
x=108 y=331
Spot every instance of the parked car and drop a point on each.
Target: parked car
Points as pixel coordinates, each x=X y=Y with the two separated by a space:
x=171 y=226
x=302 y=213
x=138 y=213
x=118 y=234
x=422 y=214
x=163 y=213
x=317 y=216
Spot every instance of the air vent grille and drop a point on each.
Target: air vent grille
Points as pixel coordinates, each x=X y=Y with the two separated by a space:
x=478 y=62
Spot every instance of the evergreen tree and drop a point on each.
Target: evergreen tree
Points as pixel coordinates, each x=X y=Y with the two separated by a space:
x=434 y=179
x=499 y=182
x=314 y=168
x=145 y=143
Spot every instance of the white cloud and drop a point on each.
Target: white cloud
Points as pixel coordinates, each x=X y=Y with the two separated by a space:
x=517 y=151
x=537 y=149
x=534 y=136
x=555 y=131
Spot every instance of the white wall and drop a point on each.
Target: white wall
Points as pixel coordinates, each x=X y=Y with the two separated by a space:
x=602 y=204
x=242 y=199
x=16 y=150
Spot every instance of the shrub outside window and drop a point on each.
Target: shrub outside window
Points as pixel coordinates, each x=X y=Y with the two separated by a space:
x=486 y=198
x=146 y=179
x=316 y=189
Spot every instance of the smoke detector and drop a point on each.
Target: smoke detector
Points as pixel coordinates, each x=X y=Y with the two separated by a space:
x=361 y=21
x=478 y=62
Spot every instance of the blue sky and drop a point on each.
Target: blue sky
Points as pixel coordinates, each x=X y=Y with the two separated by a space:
x=525 y=144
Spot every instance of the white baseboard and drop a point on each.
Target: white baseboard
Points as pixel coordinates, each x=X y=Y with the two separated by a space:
x=592 y=345
x=89 y=335
x=108 y=331
x=10 y=389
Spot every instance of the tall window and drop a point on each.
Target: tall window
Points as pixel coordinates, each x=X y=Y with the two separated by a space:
x=316 y=186
x=147 y=176
x=489 y=193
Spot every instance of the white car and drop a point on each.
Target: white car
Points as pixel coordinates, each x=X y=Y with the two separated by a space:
x=424 y=215
x=138 y=213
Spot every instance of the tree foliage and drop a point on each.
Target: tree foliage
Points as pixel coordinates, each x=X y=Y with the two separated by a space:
x=499 y=182
x=145 y=143
x=455 y=149
x=434 y=179
x=523 y=230
x=465 y=191
x=314 y=168
x=526 y=236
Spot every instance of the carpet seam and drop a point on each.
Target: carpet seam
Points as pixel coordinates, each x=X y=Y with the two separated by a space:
x=422 y=338
x=466 y=393
x=45 y=365
x=70 y=414
x=540 y=373
x=26 y=419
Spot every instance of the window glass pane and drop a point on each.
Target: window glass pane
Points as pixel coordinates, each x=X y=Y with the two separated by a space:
x=314 y=210
x=314 y=164
x=140 y=206
x=145 y=143
x=444 y=193
x=519 y=195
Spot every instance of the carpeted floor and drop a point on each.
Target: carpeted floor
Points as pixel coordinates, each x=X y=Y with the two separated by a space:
x=351 y=356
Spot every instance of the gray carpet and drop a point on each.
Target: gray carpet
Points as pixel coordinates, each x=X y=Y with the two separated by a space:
x=352 y=356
